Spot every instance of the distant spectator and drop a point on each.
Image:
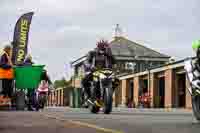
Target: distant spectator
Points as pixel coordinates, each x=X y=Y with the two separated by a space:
x=6 y=71
x=45 y=77
x=31 y=91
x=130 y=103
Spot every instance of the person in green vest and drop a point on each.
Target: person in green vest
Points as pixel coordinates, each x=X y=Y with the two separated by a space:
x=196 y=46
x=31 y=91
x=194 y=67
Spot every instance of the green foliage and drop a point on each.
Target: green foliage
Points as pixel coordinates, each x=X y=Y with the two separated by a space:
x=61 y=83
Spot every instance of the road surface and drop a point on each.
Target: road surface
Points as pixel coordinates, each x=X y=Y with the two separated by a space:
x=36 y=122
x=60 y=120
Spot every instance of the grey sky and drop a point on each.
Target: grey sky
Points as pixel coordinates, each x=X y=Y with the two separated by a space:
x=63 y=30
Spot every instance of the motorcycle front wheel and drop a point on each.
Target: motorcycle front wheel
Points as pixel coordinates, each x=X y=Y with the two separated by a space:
x=108 y=93
x=94 y=109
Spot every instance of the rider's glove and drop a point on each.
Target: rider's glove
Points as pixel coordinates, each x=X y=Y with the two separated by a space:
x=93 y=69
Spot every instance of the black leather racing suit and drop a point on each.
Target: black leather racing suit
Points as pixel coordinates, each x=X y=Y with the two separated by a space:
x=95 y=60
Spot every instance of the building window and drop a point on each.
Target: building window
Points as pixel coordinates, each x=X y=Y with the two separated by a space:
x=79 y=72
x=122 y=66
x=76 y=71
x=119 y=66
x=141 y=67
x=137 y=67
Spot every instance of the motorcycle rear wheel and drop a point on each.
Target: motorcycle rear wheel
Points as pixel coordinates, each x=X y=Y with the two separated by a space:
x=196 y=106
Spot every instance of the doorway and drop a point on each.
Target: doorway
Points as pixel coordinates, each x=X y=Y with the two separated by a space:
x=130 y=94
x=161 y=92
x=181 y=90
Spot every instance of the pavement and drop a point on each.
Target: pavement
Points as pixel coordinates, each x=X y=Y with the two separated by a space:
x=121 y=120
x=127 y=110
x=37 y=122
x=133 y=120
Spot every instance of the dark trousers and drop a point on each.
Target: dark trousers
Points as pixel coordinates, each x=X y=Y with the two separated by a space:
x=31 y=96
x=7 y=87
x=86 y=84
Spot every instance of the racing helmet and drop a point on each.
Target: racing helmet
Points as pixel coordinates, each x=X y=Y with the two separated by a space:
x=102 y=45
x=196 y=45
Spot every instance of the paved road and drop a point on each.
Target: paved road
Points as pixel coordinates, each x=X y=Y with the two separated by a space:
x=36 y=122
x=62 y=120
x=133 y=121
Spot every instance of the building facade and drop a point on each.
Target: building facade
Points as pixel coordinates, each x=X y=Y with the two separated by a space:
x=142 y=72
x=59 y=97
x=166 y=86
x=130 y=57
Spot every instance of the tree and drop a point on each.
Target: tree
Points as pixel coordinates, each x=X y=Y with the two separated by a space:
x=61 y=83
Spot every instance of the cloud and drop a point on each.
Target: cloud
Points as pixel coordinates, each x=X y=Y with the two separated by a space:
x=47 y=7
x=62 y=31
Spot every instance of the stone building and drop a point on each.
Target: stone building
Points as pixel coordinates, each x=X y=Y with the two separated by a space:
x=167 y=86
x=130 y=56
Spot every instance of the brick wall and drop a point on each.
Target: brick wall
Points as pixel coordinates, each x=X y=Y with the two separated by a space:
x=188 y=96
x=118 y=95
x=136 y=90
x=153 y=88
x=124 y=92
x=169 y=87
x=62 y=97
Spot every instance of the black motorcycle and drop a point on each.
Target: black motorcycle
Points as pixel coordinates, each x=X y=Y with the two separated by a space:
x=42 y=94
x=101 y=91
x=42 y=99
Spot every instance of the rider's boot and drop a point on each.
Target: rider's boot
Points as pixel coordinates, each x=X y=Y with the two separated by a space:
x=90 y=99
x=85 y=103
x=87 y=99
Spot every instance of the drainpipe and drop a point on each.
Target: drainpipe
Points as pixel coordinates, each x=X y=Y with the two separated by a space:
x=74 y=80
x=149 y=78
x=149 y=82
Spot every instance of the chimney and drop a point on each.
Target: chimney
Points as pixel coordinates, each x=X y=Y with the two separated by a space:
x=118 y=32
